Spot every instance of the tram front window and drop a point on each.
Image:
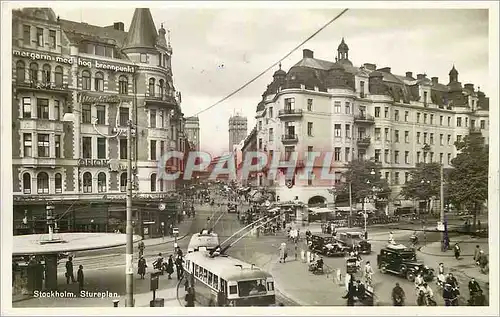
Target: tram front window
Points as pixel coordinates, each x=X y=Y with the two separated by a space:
x=249 y=288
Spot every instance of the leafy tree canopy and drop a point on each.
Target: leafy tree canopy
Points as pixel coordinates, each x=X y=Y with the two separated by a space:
x=424 y=182
x=365 y=183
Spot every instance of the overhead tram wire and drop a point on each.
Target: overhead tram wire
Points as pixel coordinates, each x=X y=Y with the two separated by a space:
x=273 y=65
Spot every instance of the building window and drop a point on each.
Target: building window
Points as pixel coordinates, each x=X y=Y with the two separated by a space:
x=86 y=147
x=270 y=111
x=425 y=118
x=432 y=119
x=85 y=80
x=396 y=115
x=431 y=157
x=396 y=157
x=440 y=120
x=431 y=138
x=153 y=182
x=406 y=116
x=407 y=136
x=425 y=98
x=441 y=158
x=87 y=182
x=58 y=183
x=288 y=152
x=388 y=176
x=260 y=143
x=20 y=72
x=27 y=145
x=396 y=178
x=418 y=157
x=466 y=122
x=99 y=50
x=26 y=183
x=34 y=72
x=162 y=147
x=396 y=136
x=42 y=181
x=42 y=108
x=362 y=89
x=26 y=107
x=449 y=121
x=99 y=81
x=347 y=154
x=86 y=113
x=151 y=87
x=448 y=139
x=377 y=112
x=377 y=134
x=377 y=155
x=27 y=34
x=144 y=58
x=101 y=114
x=123 y=149
x=161 y=114
x=101 y=148
x=123 y=182
x=425 y=157
x=441 y=139
x=459 y=138
x=347 y=131
x=58 y=76
x=161 y=87
x=57 y=141
x=472 y=123
x=418 y=117
x=407 y=177
x=361 y=155
x=123 y=85
x=152 y=150
x=449 y=158
x=310 y=129
x=289 y=103
x=101 y=182
x=482 y=124
x=271 y=134
x=337 y=131
x=347 y=107
x=386 y=156
x=124 y=115
x=425 y=137
x=39 y=36
x=152 y=118
x=310 y=178
x=337 y=153
x=407 y=157
x=459 y=122
x=43 y=145
x=52 y=38
x=337 y=107
x=386 y=112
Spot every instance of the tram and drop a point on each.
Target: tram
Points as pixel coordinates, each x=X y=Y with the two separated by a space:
x=221 y=280
x=206 y=240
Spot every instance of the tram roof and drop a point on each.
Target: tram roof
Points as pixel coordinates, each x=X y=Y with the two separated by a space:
x=227 y=267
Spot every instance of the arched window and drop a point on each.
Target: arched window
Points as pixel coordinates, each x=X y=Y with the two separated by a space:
x=85 y=80
x=151 y=87
x=58 y=76
x=58 y=182
x=87 y=182
x=101 y=182
x=161 y=83
x=123 y=182
x=46 y=74
x=161 y=184
x=20 y=71
x=153 y=182
x=123 y=85
x=43 y=183
x=34 y=72
x=99 y=81
x=27 y=183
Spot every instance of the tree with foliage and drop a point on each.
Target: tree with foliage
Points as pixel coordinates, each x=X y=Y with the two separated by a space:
x=468 y=180
x=424 y=183
x=366 y=181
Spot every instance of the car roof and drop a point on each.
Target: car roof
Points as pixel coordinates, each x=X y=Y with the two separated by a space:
x=398 y=248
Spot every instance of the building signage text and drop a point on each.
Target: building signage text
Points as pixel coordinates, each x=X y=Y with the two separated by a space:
x=73 y=60
x=96 y=99
x=92 y=163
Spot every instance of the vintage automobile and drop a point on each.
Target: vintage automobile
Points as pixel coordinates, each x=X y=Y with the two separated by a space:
x=354 y=241
x=401 y=260
x=326 y=245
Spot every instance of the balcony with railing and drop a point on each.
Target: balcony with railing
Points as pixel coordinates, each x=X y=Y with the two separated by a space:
x=363 y=141
x=289 y=138
x=42 y=85
x=288 y=113
x=474 y=130
x=168 y=98
x=364 y=118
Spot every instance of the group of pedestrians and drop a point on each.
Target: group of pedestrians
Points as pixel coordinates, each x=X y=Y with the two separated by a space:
x=170 y=266
x=70 y=276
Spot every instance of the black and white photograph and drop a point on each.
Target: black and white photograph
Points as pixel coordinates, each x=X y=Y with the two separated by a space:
x=249 y=157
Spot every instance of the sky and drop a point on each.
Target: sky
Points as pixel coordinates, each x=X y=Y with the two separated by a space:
x=216 y=50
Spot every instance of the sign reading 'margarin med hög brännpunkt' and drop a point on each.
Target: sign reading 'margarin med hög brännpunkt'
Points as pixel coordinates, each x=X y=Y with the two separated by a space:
x=72 y=60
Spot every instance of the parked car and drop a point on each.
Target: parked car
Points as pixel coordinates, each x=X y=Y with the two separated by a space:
x=354 y=241
x=326 y=245
x=401 y=260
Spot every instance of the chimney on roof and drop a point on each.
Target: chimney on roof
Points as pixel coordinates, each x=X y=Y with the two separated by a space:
x=420 y=76
x=370 y=66
x=120 y=26
x=409 y=75
x=307 y=53
x=469 y=87
x=435 y=80
x=385 y=70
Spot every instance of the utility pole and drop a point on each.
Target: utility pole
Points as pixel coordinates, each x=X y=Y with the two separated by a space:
x=129 y=273
x=350 y=205
x=441 y=200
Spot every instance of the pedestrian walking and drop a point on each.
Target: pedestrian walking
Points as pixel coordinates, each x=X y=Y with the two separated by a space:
x=141 y=248
x=80 y=278
x=339 y=276
x=303 y=255
x=141 y=267
x=69 y=271
x=170 y=267
x=178 y=266
x=296 y=251
x=398 y=296
x=456 y=250
x=483 y=262
x=189 y=298
x=476 y=254
x=283 y=252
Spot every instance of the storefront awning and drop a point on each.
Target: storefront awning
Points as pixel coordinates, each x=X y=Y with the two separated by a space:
x=343 y=209
x=321 y=210
x=275 y=209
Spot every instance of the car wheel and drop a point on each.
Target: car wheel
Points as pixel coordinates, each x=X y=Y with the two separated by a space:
x=383 y=268
x=410 y=276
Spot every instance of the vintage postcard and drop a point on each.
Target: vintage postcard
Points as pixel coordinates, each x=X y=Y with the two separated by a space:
x=249 y=157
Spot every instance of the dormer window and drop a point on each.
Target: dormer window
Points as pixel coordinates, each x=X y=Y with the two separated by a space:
x=144 y=58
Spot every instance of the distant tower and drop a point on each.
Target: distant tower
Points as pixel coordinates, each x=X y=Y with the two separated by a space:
x=237 y=130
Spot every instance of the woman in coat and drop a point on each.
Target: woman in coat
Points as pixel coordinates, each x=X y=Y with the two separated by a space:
x=141 y=267
x=283 y=252
x=170 y=267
